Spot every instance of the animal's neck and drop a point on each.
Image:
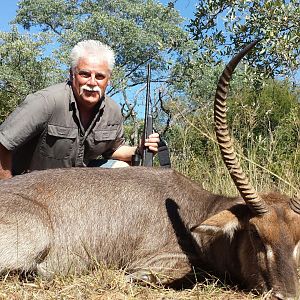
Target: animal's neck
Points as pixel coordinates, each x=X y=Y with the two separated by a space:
x=221 y=257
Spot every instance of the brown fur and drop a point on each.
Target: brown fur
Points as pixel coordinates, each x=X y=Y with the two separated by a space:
x=155 y=223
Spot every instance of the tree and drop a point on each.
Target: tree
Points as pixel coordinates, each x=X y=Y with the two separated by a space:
x=138 y=30
x=222 y=27
x=23 y=68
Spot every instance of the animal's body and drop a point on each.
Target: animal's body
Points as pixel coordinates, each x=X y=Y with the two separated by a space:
x=154 y=222
x=127 y=217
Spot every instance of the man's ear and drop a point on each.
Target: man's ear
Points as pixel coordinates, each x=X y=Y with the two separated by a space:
x=71 y=75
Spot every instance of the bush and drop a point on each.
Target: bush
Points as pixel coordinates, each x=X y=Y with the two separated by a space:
x=266 y=127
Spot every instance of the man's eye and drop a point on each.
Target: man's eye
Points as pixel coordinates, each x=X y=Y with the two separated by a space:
x=99 y=76
x=84 y=74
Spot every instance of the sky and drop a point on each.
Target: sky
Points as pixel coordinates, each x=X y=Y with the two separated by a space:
x=7 y=13
x=9 y=7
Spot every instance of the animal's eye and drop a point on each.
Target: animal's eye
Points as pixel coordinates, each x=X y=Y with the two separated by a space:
x=256 y=240
x=254 y=234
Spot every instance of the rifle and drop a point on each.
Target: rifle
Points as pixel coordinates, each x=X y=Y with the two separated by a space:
x=147 y=158
x=147 y=155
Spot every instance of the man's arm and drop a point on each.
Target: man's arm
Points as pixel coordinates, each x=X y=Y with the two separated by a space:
x=24 y=123
x=5 y=163
x=125 y=152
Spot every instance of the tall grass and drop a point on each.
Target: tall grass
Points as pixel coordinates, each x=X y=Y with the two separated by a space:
x=212 y=173
x=266 y=140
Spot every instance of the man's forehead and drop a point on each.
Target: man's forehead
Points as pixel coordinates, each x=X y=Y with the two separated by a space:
x=93 y=63
x=79 y=70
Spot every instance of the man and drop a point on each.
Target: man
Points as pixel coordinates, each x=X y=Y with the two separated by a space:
x=68 y=124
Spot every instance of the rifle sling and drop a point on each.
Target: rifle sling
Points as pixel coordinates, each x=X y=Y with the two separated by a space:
x=163 y=154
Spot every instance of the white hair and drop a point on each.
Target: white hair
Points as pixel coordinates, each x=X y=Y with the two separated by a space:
x=94 y=48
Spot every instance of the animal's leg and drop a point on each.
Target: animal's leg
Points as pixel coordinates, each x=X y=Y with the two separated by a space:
x=162 y=269
x=24 y=242
x=44 y=271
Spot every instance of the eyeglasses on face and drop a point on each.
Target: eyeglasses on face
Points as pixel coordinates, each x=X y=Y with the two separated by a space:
x=87 y=74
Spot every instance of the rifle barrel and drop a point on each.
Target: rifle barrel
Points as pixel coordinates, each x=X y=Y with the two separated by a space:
x=147 y=159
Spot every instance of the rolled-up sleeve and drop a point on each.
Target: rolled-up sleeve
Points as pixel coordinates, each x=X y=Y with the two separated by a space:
x=26 y=121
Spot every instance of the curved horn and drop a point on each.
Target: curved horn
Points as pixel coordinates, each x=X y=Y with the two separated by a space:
x=248 y=193
x=295 y=205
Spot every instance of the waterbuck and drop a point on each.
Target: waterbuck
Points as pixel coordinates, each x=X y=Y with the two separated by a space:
x=154 y=222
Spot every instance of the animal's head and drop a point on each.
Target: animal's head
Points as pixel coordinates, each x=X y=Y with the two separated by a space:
x=268 y=244
x=269 y=226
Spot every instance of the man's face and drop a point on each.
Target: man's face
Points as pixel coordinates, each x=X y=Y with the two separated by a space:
x=90 y=79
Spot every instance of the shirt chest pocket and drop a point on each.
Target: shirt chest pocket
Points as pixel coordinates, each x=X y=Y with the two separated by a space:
x=103 y=135
x=59 y=141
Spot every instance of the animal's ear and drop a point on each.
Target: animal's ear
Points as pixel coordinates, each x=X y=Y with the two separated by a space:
x=225 y=222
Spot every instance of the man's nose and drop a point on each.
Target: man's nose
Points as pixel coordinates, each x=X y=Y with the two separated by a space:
x=92 y=80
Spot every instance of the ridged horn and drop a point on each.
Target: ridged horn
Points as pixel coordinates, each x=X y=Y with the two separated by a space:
x=248 y=193
x=295 y=205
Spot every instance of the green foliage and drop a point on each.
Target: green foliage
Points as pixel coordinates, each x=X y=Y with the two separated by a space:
x=265 y=126
x=197 y=83
x=223 y=26
x=23 y=68
x=138 y=31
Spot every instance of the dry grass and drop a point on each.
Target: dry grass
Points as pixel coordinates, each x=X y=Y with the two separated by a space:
x=109 y=284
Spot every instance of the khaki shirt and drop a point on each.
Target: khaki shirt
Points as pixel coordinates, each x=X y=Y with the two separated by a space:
x=45 y=131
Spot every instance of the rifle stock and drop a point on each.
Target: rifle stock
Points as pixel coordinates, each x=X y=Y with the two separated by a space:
x=147 y=159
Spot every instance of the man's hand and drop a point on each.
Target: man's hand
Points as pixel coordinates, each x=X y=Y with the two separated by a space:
x=125 y=152
x=152 y=142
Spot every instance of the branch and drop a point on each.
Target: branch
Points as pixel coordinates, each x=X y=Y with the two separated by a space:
x=166 y=111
